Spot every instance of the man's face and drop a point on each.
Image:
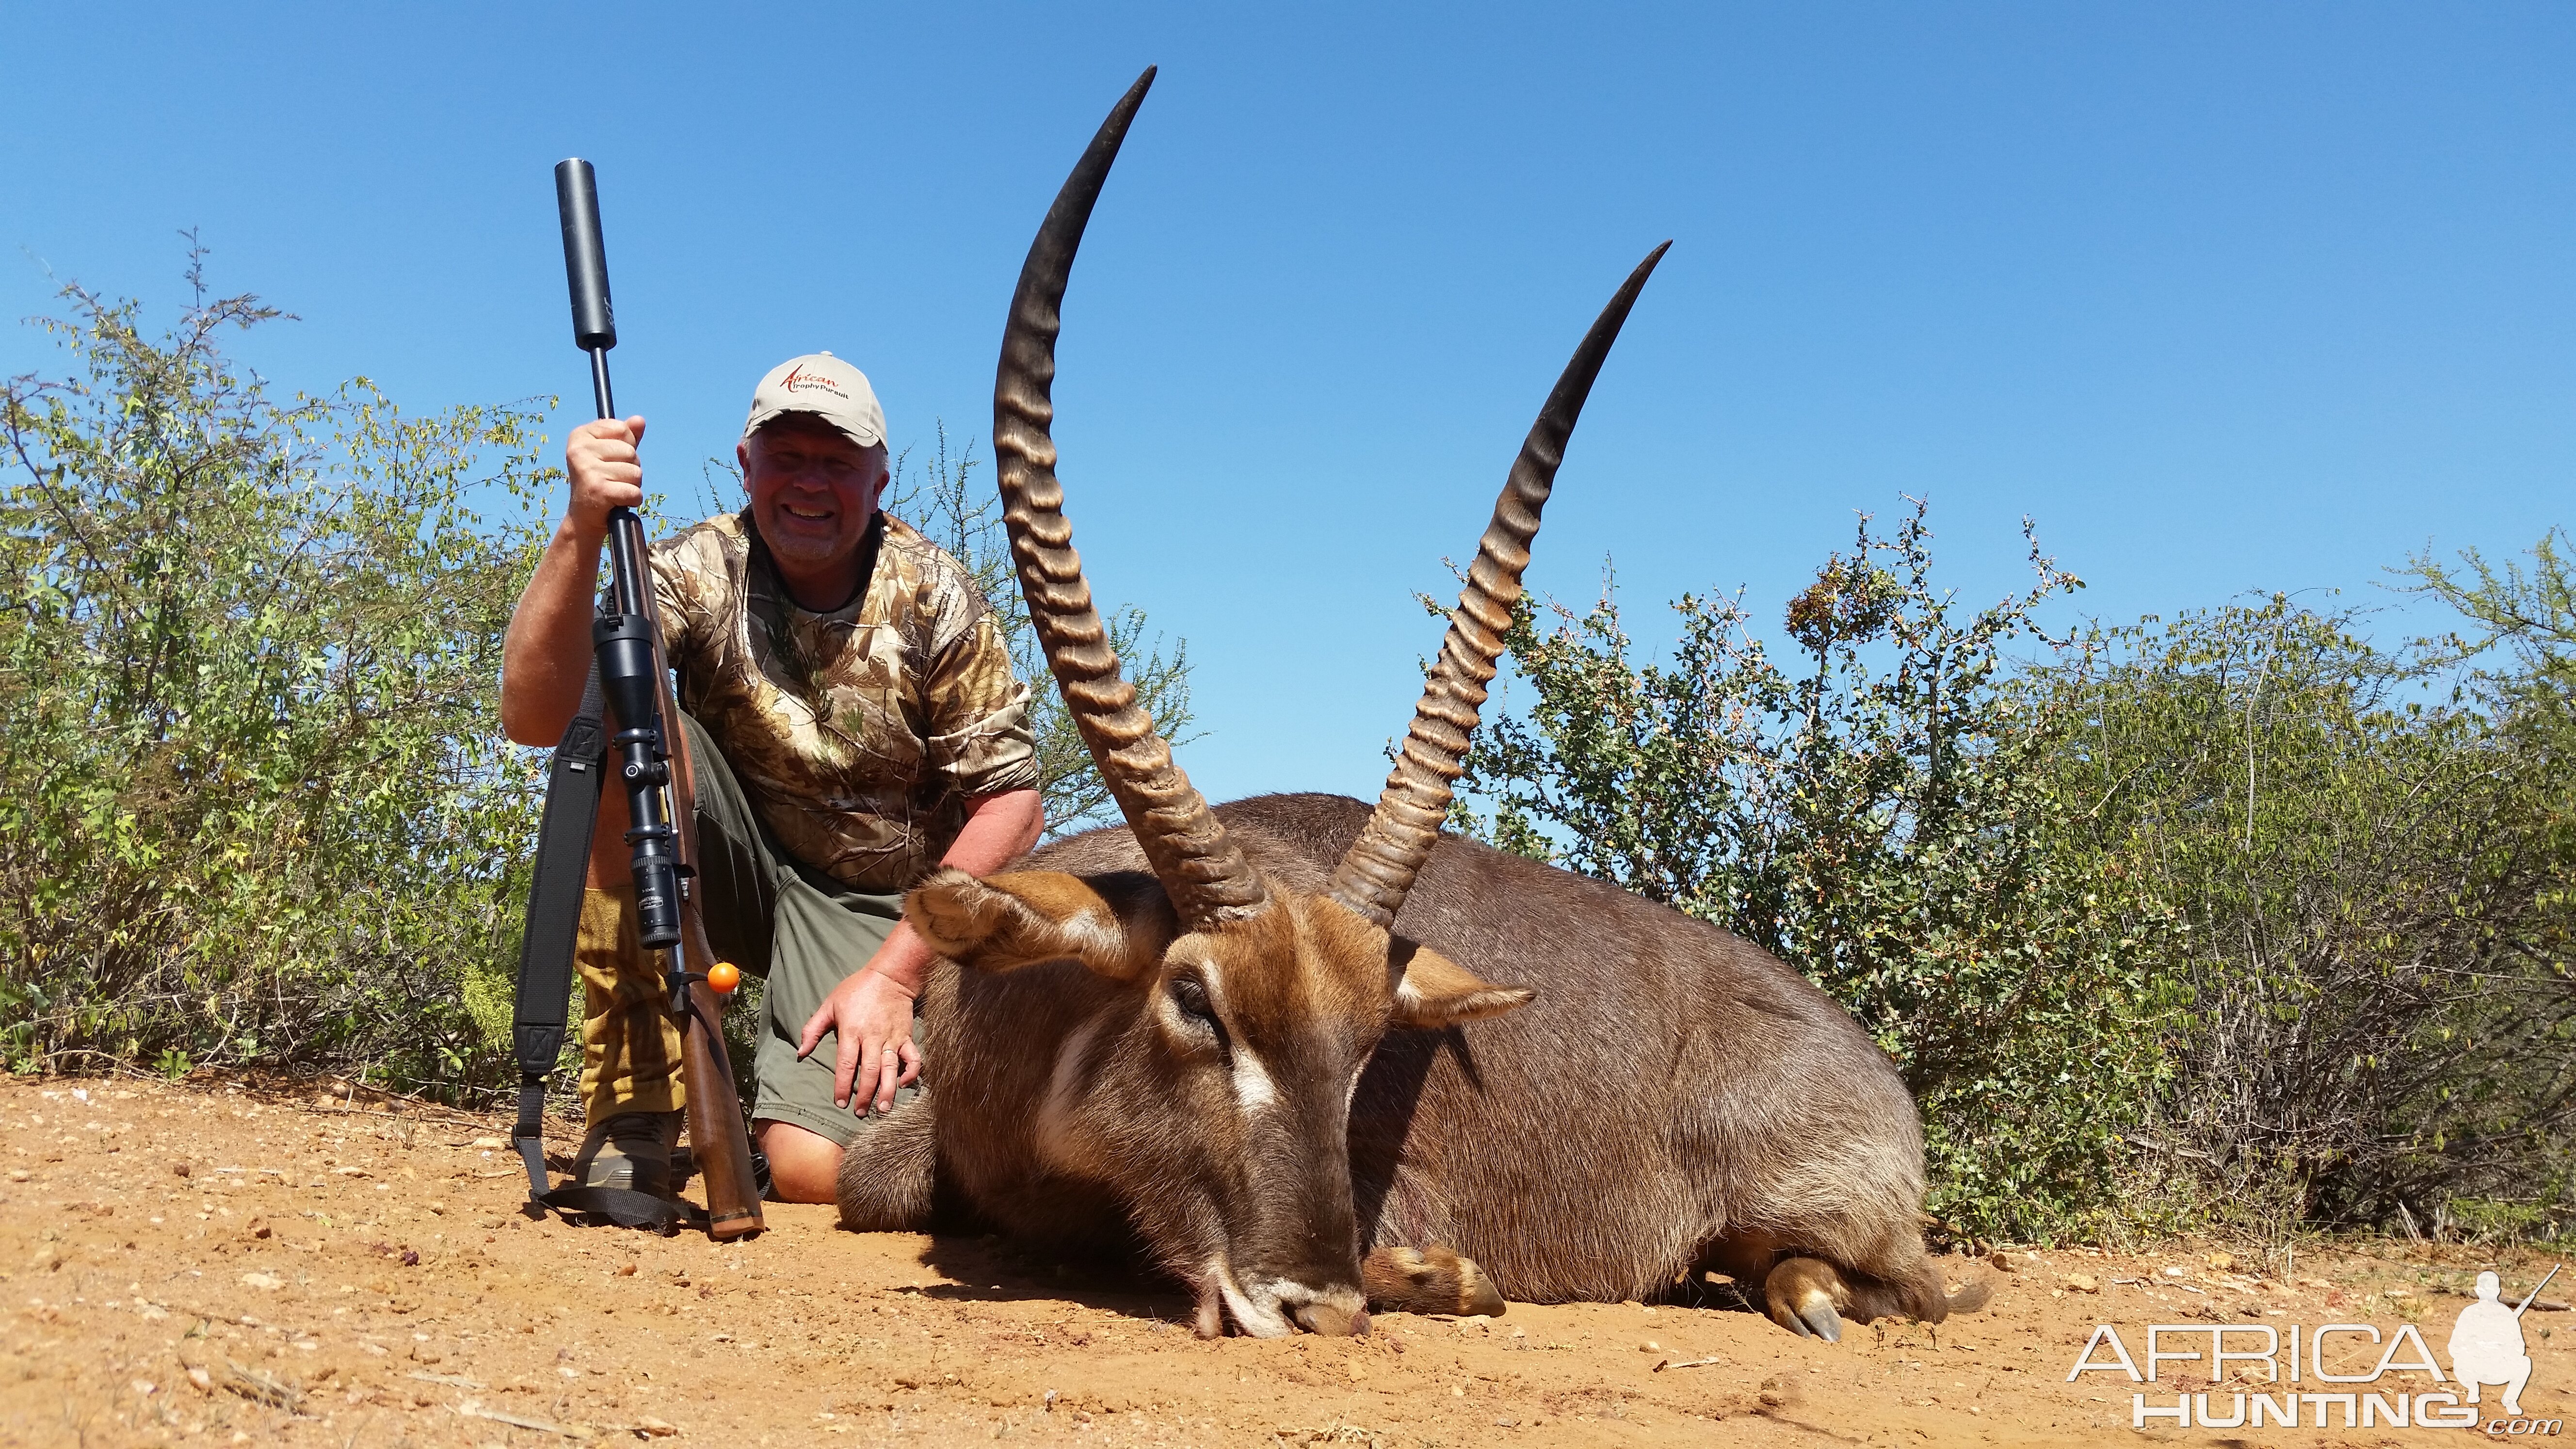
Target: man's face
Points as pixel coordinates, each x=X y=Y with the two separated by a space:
x=812 y=491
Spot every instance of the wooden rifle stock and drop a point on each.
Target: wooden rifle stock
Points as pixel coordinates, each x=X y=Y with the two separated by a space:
x=717 y=1140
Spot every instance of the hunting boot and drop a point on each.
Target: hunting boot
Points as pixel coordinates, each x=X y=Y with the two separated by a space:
x=630 y=1150
x=630 y=1052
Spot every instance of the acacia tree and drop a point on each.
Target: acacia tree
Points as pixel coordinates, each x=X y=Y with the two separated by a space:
x=1880 y=819
x=943 y=501
x=254 y=807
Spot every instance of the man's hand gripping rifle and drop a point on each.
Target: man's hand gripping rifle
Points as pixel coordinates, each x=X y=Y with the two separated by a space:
x=651 y=761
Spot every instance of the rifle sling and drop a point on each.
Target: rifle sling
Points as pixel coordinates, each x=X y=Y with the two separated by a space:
x=545 y=974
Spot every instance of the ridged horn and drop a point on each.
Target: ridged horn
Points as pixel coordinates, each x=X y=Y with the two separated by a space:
x=1378 y=870
x=1205 y=874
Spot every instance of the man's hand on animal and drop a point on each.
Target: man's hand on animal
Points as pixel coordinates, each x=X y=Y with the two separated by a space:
x=873 y=1008
x=870 y=1013
x=870 y=1016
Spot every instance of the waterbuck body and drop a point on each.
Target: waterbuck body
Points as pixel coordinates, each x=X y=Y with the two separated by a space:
x=1674 y=1099
x=1288 y=1047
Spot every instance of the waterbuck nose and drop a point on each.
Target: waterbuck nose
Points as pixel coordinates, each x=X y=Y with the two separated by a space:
x=1331 y=1322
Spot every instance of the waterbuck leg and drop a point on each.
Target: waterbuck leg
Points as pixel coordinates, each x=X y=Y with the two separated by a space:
x=1972 y=1297
x=889 y=1173
x=1427 y=1280
x=1209 y=1320
x=1331 y=1320
x=1918 y=1295
x=1802 y=1296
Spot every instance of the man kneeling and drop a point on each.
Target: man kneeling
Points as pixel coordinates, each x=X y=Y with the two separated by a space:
x=854 y=723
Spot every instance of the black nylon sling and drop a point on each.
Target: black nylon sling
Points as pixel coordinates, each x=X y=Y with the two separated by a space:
x=545 y=975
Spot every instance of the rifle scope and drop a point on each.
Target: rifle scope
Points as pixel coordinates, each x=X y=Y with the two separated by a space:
x=622 y=636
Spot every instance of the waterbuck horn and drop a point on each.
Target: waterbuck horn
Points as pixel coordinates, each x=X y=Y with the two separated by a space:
x=1378 y=870
x=1204 y=873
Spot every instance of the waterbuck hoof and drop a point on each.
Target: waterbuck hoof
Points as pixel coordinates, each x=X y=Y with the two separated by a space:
x=1802 y=1295
x=1328 y=1321
x=1819 y=1318
x=1427 y=1280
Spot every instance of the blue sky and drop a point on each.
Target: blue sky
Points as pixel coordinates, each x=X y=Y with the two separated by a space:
x=2227 y=297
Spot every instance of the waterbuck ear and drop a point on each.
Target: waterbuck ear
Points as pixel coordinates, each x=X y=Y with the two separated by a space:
x=1432 y=991
x=1019 y=918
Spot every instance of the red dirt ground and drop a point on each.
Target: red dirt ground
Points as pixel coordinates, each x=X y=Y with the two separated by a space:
x=227 y=1265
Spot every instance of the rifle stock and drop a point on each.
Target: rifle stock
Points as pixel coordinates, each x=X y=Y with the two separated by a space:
x=716 y=1136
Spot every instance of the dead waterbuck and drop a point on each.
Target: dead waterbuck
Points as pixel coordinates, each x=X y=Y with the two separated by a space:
x=1260 y=1042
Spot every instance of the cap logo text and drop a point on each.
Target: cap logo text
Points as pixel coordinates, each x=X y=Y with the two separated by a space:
x=796 y=381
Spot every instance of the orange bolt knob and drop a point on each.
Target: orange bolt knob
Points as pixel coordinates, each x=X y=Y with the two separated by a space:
x=723 y=977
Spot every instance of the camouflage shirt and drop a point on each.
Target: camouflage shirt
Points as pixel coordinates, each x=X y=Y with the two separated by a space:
x=860 y=734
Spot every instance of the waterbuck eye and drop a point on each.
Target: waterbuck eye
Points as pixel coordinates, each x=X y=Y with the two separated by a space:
x=1190 y=995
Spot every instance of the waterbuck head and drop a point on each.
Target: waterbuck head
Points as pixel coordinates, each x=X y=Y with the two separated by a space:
x=1213 y=1093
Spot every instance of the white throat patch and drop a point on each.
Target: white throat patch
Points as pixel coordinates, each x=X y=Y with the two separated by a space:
x=1058 y=1138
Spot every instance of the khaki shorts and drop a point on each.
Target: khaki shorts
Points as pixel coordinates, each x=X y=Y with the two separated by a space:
x=798 y=929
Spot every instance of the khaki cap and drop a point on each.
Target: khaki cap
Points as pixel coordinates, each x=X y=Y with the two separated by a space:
x=825 y=386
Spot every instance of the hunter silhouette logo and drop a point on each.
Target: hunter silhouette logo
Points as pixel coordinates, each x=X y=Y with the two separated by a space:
x=2486 y=1348
x=2486 y=1344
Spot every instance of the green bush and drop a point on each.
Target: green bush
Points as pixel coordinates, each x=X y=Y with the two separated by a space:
x=253 y=805
x=2374 y=854
x=1883 y=820
x=2234 y=921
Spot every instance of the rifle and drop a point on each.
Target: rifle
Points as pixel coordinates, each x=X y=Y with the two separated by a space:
x=2535 y=1291
x=652 y=760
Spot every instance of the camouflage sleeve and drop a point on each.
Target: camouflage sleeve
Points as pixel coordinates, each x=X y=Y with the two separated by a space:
x=681 y=599
x=980 y=738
